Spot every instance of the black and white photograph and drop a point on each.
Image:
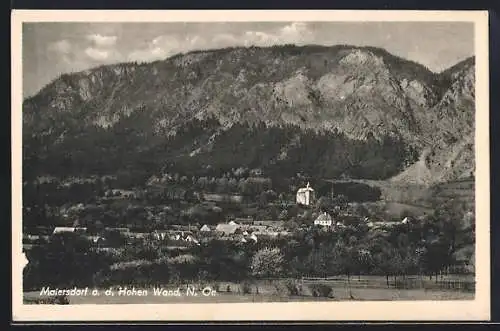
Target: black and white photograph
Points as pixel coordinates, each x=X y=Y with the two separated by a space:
x=240 y=159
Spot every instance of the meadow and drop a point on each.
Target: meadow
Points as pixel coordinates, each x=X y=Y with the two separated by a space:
x=369 y=288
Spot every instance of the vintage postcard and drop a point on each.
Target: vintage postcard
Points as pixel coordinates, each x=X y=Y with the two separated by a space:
x=250 y=165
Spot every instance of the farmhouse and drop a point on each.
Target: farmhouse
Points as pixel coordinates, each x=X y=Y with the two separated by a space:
x=259 y=229
x=31 y=237
x=173 y=193
x=205 y=228
x=272 y=224
x=253 y=237
x=120 y=193
x=323 y=220
x=192 y=239
x=62 y=229
x=139 y=235
x=227 y=229
x=222 y=198
x=305 y=195
x=96 y=239
x=244 y=220
x=160 y=235
x=408 y=220
x=179 y=227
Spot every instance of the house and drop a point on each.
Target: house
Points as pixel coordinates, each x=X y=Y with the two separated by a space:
x=256 y=172
x=340 y=225
x=272 y=224
x=407 y=220
x=181 y=238
x=259 y=229
x=323 y=220
x=180 y=235
x=244 y=220
x=227 y=229
x=192 y=239
x=223 y=198
x=205 y=228
x=253 y=237
x=305 y=195
x=175 y=193
x=139 y=235
x=96 y=239
x=272 y=233
x=181 y=227
x=62 y=229
x=160 y=235
x=120 y=193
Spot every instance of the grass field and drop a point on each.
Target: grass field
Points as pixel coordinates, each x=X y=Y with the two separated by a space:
x=418 y=198
x=371 y=288
x=340 y=294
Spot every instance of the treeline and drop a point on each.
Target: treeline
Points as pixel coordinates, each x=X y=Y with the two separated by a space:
x=130 y=147
x=315 y=154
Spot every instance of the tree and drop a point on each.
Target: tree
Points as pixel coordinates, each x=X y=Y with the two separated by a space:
x=267 y=262
x=340 y=200
x=324 y=204
x=437 y=256
x=114 y=238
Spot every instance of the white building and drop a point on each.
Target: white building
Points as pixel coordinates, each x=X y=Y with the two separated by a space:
x=205 y=228
x=192 y=239
x=323 y=220
x=62 y=229
x=305 y=195
x=160 y=235
x=253 y=237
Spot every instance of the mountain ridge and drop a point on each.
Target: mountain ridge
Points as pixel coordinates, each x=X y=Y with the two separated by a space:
x=362 y=92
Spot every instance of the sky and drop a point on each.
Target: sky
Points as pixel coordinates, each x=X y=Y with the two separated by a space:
x=50 y=49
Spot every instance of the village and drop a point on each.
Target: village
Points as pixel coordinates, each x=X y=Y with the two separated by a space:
x=231 y=233
x=236 y=229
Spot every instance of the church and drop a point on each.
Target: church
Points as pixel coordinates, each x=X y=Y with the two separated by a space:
x=305 y=195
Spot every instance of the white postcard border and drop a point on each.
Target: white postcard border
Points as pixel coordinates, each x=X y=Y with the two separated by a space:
x=477 y=309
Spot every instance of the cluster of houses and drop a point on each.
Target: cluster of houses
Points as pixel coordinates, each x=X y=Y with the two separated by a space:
x=325 y=221
x=245 y=229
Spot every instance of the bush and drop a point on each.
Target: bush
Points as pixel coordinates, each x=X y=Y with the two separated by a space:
x=288 y=288
x=246 y=288
x=321 y=290
x=58 y=300
x=216 y=287
x=61 y=300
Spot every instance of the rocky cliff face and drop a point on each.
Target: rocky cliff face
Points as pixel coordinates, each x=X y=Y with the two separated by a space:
x=364 y=93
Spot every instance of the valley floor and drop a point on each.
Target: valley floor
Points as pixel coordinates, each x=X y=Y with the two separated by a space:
x=369 y=288
x=340 y=294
